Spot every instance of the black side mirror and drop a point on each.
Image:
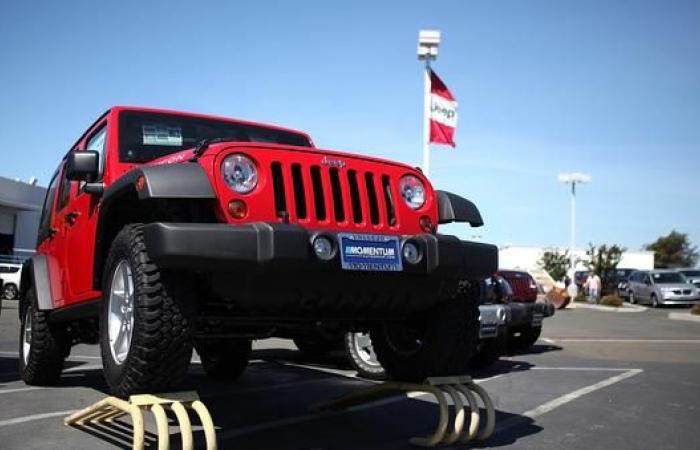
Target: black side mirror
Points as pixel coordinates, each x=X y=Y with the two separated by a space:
x=82 y=166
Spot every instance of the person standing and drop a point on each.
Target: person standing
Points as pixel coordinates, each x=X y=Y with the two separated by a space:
x=593 y=284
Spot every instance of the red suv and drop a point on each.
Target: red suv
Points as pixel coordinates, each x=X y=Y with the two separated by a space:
x=163 y=231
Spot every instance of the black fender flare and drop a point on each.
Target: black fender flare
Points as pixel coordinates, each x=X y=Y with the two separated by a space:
x=185 y=181
x=35 y=272
x=453 y=208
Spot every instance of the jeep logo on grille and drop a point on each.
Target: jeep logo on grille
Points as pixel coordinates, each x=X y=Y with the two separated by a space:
x=333 y=162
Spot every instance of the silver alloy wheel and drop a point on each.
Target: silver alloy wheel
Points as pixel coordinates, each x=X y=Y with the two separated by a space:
x=632 y=300
x=27 y=335
x=364 y=349
x=120 y=319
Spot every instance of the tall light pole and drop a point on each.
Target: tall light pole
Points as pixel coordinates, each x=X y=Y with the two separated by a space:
x=428 y=42
x=573 y=179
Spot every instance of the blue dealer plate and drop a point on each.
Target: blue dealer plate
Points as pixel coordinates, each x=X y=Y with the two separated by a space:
x=370 y=252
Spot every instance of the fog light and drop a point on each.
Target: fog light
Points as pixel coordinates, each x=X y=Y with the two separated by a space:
x=323 y=247
x=426 y=224
x=410 y=252
x=237 y=208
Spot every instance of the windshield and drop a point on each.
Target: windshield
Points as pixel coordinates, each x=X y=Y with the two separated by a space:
x=623 y=273
x=144 y=136
x=668 y=277
x=691 y=273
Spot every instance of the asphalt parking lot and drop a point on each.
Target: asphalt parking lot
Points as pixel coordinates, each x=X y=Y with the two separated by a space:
x=595 y=380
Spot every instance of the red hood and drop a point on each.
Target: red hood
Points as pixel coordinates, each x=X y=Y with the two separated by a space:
x=186 y=155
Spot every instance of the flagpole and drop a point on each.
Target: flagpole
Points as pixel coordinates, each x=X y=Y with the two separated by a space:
x=426 y=120
x=428 y=42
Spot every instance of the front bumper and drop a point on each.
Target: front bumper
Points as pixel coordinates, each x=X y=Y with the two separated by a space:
x=679 y=300
x=271 y=270
x=221 y=246
x=491 y=318
x=529 y=314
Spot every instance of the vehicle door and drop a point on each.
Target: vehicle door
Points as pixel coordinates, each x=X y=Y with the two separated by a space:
x=646 y=288
x=78 y=210
x=48 y=239
x=635 y=283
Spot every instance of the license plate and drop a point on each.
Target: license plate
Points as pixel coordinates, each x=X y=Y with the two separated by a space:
x=370 y=252
x=537 y=319
x=488 y=323
x=488 y=330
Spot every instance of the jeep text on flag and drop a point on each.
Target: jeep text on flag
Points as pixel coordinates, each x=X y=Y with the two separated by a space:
x=443 y=112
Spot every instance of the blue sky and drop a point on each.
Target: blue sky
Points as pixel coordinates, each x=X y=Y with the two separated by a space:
x=608 y=88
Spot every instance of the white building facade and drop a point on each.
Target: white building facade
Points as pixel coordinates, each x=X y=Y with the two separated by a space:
x=20 y=211
x=527 y=258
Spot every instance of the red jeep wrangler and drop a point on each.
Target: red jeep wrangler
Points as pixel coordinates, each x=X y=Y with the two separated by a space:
x=163 y=231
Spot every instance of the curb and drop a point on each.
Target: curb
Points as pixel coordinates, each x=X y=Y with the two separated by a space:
x=623 y=309
x=684 y=316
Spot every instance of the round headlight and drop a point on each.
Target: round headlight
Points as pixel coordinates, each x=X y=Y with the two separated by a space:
x=412 y=190
x=240 y=173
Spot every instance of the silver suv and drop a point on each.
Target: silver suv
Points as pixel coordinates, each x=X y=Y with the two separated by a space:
x=693 y=276
x=661 y=287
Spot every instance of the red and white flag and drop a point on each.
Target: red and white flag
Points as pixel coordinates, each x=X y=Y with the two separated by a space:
x=443 y=112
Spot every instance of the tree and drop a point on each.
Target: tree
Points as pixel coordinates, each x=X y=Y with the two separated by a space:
x=555 y=262
x=673 y=250
x=603 y=260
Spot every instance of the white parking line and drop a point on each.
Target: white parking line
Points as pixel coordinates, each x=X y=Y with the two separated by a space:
x=584 y=369
x=340 y=372
x=9 y=391
x=564 y=399
x=18 y=420
x=78 y=357
x=634 y=341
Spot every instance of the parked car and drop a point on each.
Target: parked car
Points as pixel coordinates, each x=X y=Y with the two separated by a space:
x=164 y=230
x=11 y=273
x=620 y=279
x=494 y=293
x=494 y=317
x=693 y=276
x=661 y=287
x=526 y=314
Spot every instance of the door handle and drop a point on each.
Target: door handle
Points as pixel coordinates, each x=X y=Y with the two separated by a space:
x=71 y=217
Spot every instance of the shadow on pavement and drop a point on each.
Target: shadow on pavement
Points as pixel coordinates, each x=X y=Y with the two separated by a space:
x=536 y=349
x=73 y=376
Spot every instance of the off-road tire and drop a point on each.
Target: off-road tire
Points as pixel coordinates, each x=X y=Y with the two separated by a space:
x=445 y=340
x=315 y=347
x=523 y=341
x=490 y=350
x=363 y=368
x=50 y=345
x=161 y=346
x=224 y=360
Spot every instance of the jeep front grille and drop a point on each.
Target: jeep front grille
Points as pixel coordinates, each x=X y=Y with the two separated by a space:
x=330 y=194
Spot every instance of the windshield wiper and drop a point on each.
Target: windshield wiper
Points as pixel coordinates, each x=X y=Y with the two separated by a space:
x=202 y=145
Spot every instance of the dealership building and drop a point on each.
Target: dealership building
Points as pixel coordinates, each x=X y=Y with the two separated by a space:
x=527 y=258
x=20 y=211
